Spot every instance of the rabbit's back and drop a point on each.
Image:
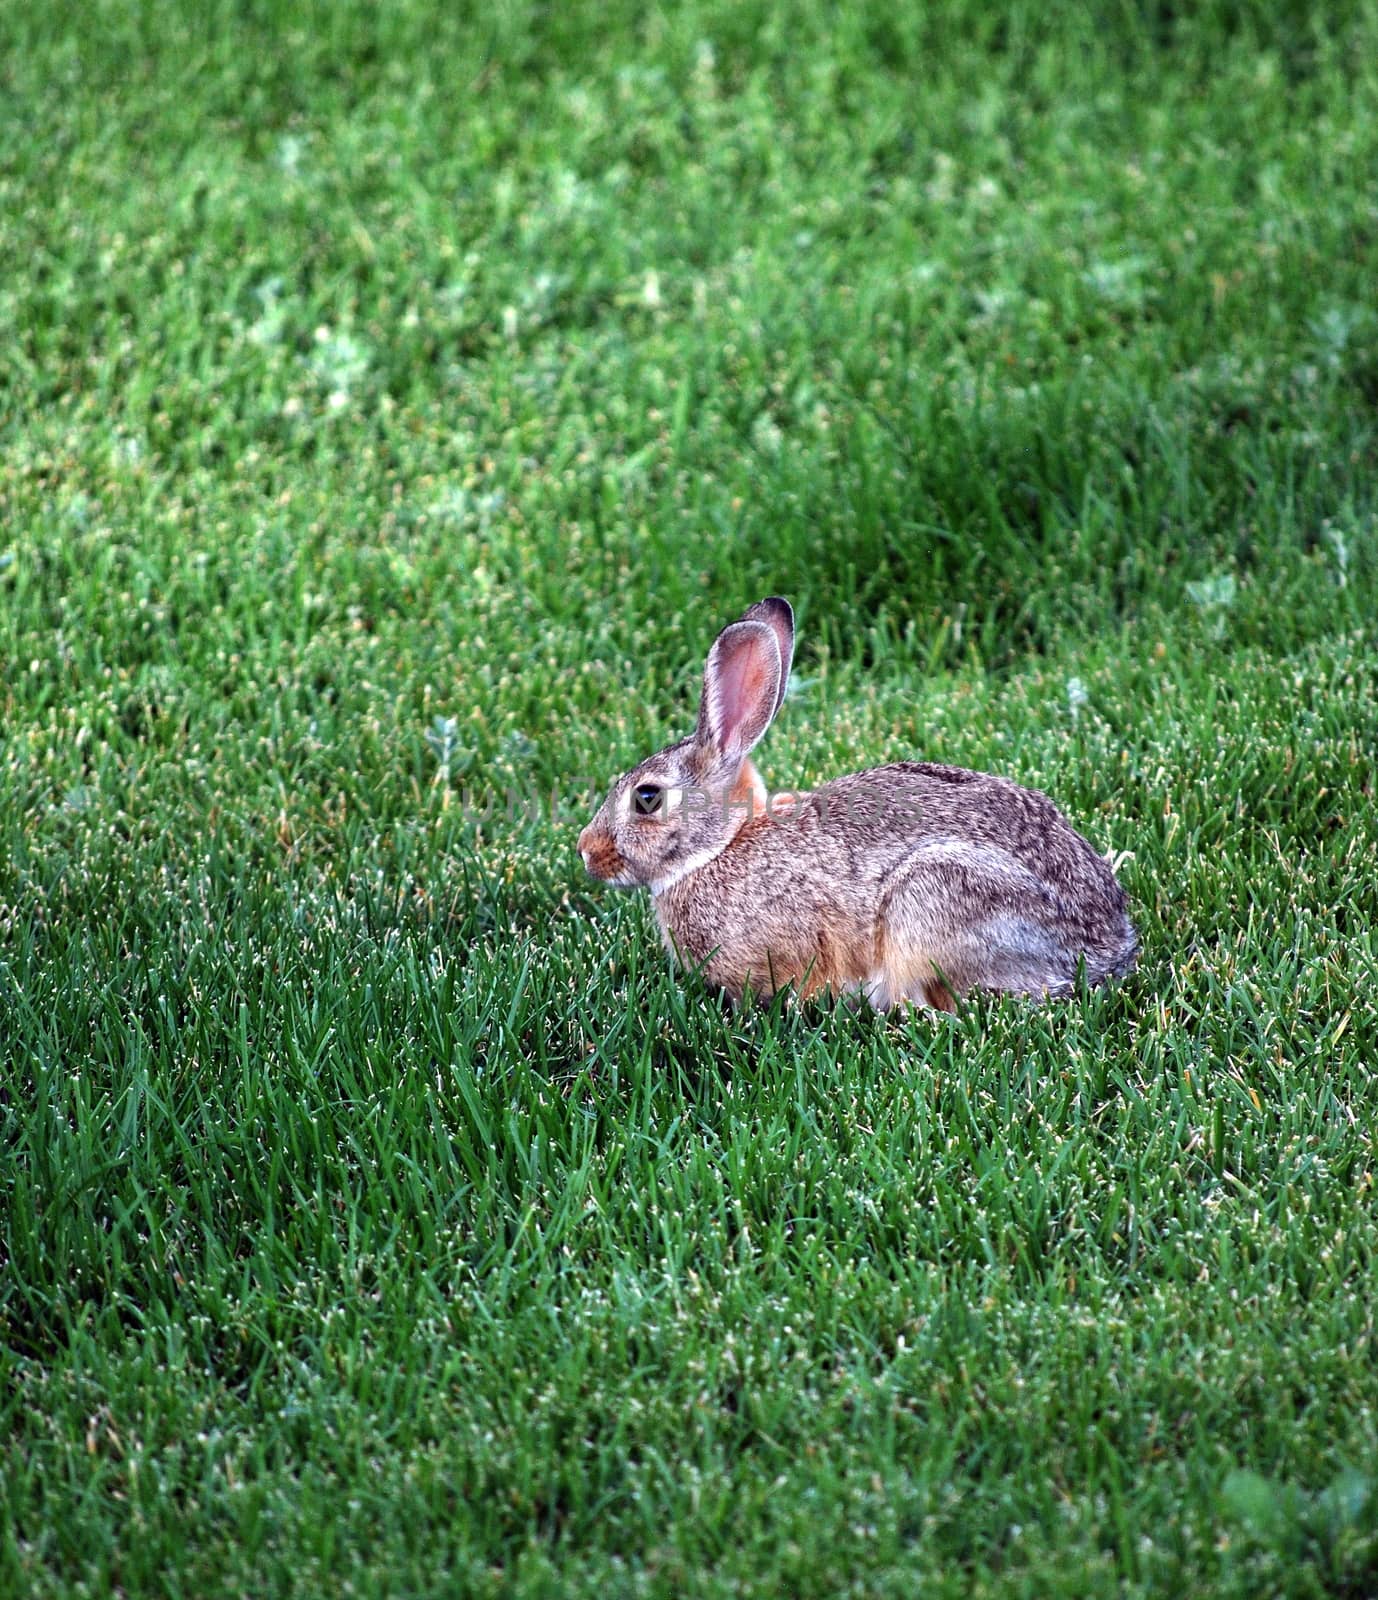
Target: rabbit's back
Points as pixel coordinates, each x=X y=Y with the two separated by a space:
x=1010 y=835
x=881 y=879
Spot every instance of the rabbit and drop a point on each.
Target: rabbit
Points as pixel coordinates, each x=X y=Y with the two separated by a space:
x=908 y=884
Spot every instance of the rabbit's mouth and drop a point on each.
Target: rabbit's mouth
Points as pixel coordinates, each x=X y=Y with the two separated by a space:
x=603 y=860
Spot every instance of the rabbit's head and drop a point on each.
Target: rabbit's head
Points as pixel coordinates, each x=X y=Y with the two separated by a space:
x=680 y=807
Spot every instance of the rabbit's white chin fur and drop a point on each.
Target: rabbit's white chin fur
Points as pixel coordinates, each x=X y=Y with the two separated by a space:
x=682 y=869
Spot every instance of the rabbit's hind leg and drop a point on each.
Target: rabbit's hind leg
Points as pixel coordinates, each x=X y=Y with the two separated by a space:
x=959 y=916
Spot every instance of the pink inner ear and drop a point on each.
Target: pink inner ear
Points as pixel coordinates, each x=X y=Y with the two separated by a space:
x=743 y=686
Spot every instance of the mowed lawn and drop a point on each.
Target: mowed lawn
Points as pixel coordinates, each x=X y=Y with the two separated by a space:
x=393 y=402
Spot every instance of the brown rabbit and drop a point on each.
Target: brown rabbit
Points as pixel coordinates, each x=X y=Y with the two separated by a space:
x=907 y=882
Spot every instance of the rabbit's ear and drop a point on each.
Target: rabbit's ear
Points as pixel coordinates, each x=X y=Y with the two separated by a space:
x=742 y=686
x=778 y=615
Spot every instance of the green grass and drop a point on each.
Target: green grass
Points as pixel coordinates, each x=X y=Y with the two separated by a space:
x=391 y=406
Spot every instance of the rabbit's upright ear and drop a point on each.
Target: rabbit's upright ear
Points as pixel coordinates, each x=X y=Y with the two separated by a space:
x=742 y=685
x=779 y=616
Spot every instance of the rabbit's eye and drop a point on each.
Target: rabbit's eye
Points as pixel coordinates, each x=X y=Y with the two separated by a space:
x=649 y=798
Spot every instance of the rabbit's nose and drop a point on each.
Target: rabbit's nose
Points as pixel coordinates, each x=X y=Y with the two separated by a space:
x=583 y=846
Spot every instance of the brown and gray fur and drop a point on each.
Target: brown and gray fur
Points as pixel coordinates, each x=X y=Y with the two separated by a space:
x=910 y=882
